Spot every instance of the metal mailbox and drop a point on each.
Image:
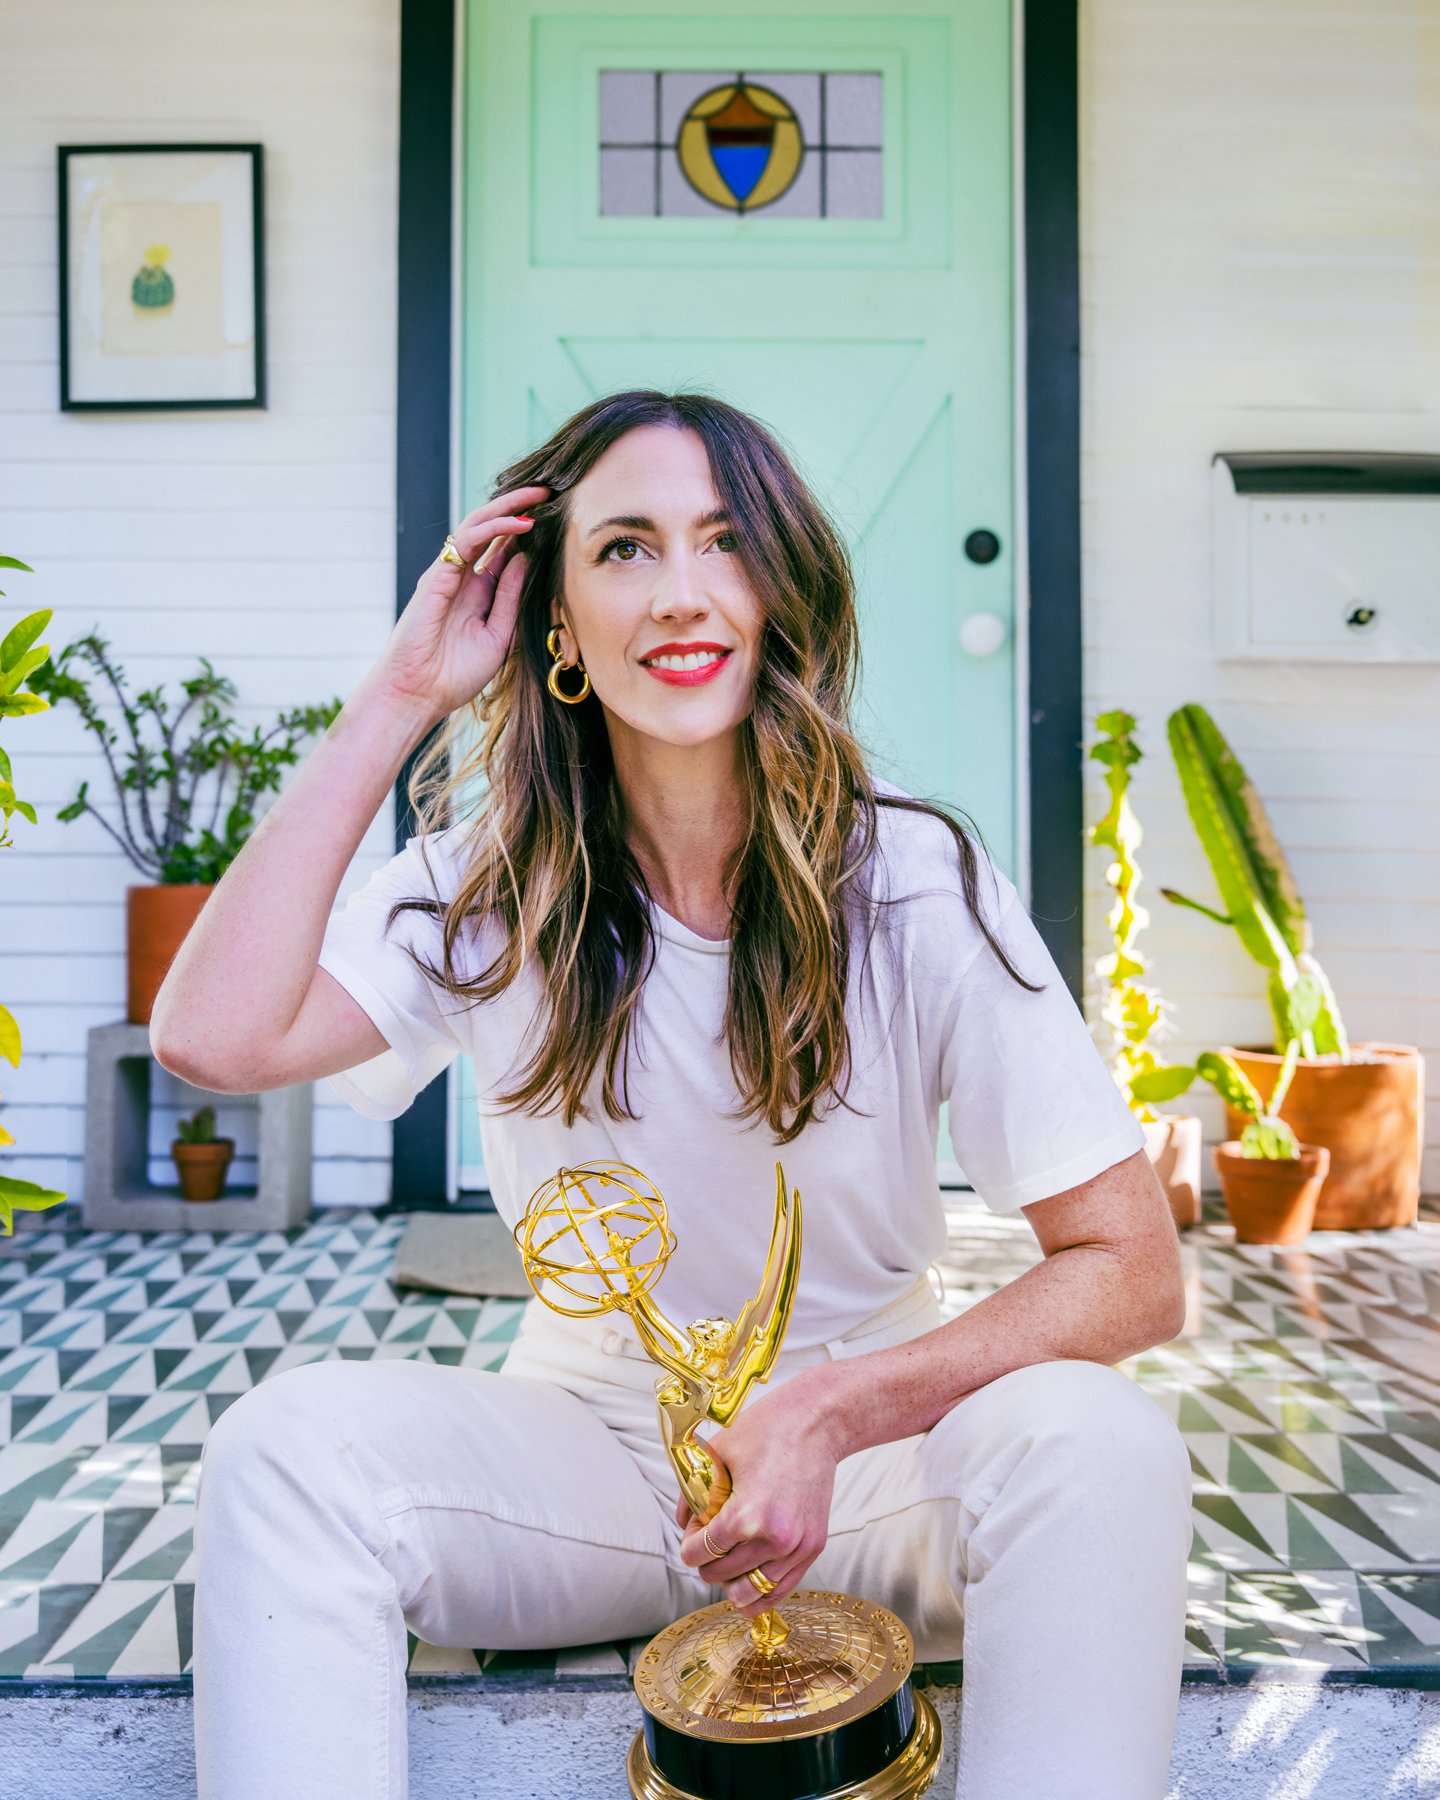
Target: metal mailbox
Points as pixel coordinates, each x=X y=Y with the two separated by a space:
x=1327 y=556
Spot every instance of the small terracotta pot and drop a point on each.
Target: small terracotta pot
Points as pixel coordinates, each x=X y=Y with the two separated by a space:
x=1172 y=1142
x=1368 y=1113
x=202 y=1167
x=157 y=919
x=1271 y=1200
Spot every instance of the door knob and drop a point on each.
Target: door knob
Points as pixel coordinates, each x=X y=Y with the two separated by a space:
x=982 y=546
x=982 y=633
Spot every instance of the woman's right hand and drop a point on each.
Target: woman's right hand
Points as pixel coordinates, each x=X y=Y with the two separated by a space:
x=458 y=625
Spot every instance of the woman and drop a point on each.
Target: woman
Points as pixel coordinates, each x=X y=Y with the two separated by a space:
x=686 y=929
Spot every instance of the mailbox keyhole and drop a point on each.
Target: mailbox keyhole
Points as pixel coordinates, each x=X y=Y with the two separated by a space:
x=1361 y=618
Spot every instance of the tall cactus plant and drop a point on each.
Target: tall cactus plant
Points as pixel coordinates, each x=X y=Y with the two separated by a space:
x=1131 y=1010
x=1256 y=887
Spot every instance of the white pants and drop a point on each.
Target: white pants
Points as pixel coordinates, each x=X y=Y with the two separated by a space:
x=1040 y=1528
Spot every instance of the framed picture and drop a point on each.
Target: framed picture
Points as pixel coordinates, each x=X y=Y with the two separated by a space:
x=161 y=276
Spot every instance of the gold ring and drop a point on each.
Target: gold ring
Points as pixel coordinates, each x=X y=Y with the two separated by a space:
x=762 y=1582
x=705 y=1534
x=450 y=554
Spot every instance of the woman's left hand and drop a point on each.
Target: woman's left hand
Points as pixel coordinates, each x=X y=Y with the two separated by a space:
x=782 y=1458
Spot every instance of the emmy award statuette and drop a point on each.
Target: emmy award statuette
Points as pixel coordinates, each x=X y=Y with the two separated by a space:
x=812 y=1703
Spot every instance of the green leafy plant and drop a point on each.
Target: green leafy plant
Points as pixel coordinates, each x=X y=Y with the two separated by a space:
x=163 y=841
x=1256 y=887
x=1266 y=1134
x=1131 y=1011
x=199 y=1128
x=20 y=657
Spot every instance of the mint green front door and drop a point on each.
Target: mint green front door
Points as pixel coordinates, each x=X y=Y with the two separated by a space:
x=808 y=211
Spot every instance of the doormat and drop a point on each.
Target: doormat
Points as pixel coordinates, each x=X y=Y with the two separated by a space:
x=465 y=1253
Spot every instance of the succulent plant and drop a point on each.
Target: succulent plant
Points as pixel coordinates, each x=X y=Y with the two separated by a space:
x=199 y=1128
x=1266 y=1134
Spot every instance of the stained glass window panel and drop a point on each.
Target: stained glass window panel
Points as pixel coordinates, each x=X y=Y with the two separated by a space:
x=708 y=143
x=627 y=106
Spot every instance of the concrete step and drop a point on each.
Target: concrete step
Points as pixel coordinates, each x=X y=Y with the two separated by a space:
x=1262 y=1739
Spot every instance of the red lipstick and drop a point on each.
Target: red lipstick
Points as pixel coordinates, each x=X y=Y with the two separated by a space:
x=688 y=677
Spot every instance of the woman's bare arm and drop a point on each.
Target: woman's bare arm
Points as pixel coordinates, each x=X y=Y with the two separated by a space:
x=245 y=1005
x=236 y=989
x=1110 y=1285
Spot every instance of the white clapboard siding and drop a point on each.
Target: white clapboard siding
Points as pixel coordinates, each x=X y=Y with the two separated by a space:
x=1259 y=221
x=263 y=540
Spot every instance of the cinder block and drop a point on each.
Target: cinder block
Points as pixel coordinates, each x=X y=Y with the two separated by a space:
x=119 y=1196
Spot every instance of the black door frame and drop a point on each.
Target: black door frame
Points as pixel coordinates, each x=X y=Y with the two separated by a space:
x=1052 y=408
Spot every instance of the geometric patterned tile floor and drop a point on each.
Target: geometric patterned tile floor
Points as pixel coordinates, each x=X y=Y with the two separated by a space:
x=1306 y=1382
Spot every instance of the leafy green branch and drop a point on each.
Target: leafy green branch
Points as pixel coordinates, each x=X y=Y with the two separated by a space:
x=166 y=840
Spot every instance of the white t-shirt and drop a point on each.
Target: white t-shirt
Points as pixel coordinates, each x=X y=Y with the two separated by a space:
x=1033 y=1109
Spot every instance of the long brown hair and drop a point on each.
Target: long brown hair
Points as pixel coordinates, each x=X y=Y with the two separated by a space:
x=544 y=851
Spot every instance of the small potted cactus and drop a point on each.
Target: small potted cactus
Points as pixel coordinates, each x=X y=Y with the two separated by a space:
x=1270 y=1180
x=201 y=1158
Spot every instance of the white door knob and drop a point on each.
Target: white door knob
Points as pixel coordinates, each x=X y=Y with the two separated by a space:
x=982 y=633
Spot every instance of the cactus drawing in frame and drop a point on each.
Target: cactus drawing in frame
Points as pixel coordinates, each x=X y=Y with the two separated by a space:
x=153 y=288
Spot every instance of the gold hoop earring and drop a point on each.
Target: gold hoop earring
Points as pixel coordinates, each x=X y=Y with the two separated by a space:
x=552 y=681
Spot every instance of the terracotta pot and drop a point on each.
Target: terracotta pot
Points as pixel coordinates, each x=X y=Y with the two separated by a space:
x=157 y=918
x=1172 y=1142
x=1368 y=1113
x=1271 y=1200
x=202 y=1167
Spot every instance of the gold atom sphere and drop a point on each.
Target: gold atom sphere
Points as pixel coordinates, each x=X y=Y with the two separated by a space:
x=601 y=1248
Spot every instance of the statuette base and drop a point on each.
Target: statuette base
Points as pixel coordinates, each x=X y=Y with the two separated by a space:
x=906 y=1778
x=829 y=1712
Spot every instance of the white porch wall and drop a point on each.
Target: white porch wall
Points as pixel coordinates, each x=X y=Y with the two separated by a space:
x=1260 y=229
x=1261 y=269
x=263 y=540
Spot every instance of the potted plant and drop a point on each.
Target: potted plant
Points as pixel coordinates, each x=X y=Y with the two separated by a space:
x=1132 y=1012
x=201 y=1158
x=182 y=863
x=1362 y=1102
x=20 y=656
x=1271 y=1181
